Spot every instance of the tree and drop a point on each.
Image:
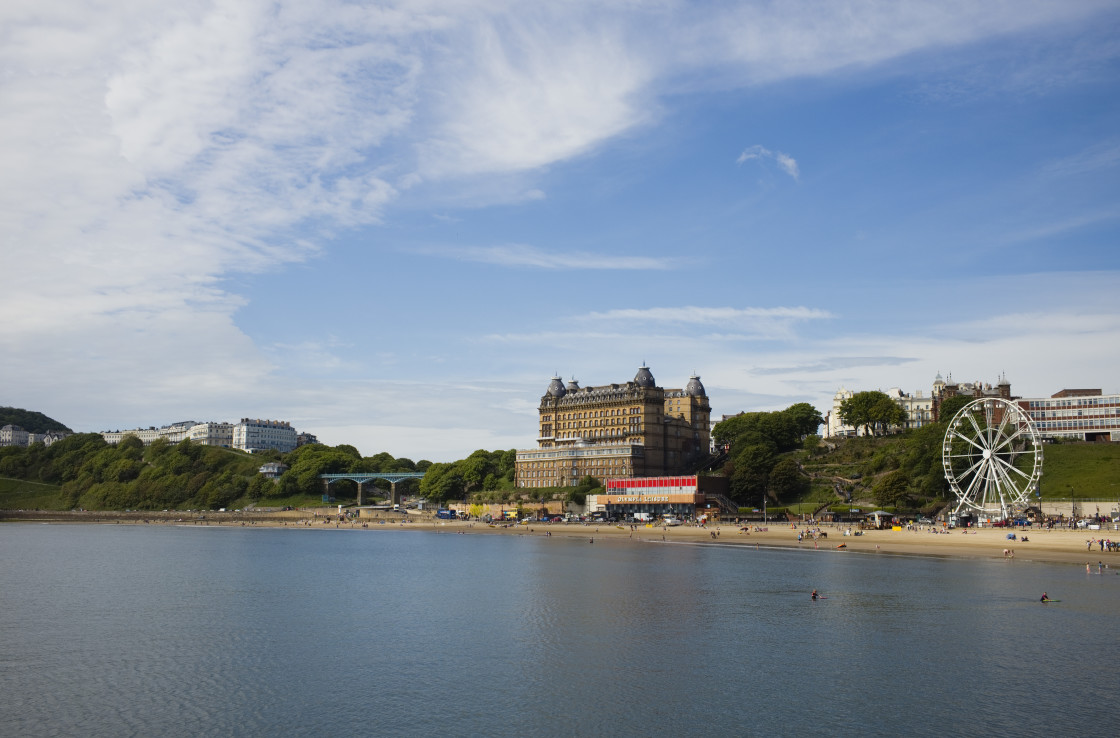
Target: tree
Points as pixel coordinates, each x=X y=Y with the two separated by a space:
x=951 y=406
x=750 y=474
x=807 y=419
x=786 y=479
x=871 y=411
x=811 y=443
x=892 y=489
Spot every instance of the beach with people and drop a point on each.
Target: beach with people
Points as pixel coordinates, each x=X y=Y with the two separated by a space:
x=1095 y=549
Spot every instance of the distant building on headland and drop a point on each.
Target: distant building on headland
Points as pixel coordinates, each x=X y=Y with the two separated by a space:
x=14 y=435
x=254 y=434
x=634 y=429
x=251 y=434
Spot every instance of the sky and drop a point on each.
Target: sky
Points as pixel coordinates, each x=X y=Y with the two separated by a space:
x=391 y=224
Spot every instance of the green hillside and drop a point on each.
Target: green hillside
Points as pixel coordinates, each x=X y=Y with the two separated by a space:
x=30 y=421
x=83 y=471
x=905 y=470
x=1081 y=469
x=19 y=494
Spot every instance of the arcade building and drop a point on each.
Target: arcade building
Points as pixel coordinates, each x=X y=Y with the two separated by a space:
x=688 y=497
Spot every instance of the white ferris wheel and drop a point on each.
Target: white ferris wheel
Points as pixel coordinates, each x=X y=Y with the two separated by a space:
x=992 y=458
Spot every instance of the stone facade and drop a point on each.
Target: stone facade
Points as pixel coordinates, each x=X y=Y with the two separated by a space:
x=616 y=430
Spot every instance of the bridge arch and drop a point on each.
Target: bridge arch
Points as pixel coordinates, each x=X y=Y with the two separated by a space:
x=365 y=477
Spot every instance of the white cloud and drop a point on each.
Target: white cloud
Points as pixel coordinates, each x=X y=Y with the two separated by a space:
x=151 y=151
x=784 y=161
x=724 y=316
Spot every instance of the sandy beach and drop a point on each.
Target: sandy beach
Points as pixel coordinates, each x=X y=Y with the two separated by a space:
x=1056 y=546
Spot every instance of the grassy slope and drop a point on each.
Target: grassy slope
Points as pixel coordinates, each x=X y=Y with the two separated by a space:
x=1085 y=469
x=1090 y=470
x=16 y=494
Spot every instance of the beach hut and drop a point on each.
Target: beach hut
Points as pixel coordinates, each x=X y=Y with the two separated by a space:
x=880 y=518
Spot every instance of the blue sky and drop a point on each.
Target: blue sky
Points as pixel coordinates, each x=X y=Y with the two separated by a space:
x=391 y=224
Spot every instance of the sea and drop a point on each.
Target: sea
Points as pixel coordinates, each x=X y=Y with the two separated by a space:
x=135 y=630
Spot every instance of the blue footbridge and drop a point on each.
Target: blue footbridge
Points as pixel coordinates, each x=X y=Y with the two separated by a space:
x=362 y=478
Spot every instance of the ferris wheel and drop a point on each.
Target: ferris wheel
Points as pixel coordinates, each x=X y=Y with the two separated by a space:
x=992 y=458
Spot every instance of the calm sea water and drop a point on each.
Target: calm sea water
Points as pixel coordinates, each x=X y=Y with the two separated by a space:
x=184 y=631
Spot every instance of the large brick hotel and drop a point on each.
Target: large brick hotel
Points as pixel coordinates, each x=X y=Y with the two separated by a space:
x=633 y=429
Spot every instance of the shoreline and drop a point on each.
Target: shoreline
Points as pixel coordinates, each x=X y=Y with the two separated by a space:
x=1061 y=546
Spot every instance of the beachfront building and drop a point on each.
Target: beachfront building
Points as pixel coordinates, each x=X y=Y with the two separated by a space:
x=616 y=430
x=254 y=434
x=1078 y=414
x=685 y=497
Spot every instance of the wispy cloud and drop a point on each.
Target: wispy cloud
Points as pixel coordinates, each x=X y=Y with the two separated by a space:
x=834 y=363
x=734 y=325
x=1104 y=155
x=785 y=162
x=708 y=315
x=531 y=257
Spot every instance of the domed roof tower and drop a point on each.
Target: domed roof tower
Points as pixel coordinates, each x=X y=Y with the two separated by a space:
x=644 y=378
x=694 y=388
x=556 y=387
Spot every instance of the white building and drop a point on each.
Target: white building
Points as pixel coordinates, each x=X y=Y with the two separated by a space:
x=921 y=409
x=258 y=435
x=833 y=426
x=212 y=434
x=13 y=435
x=273 y=470
x=146 y=435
